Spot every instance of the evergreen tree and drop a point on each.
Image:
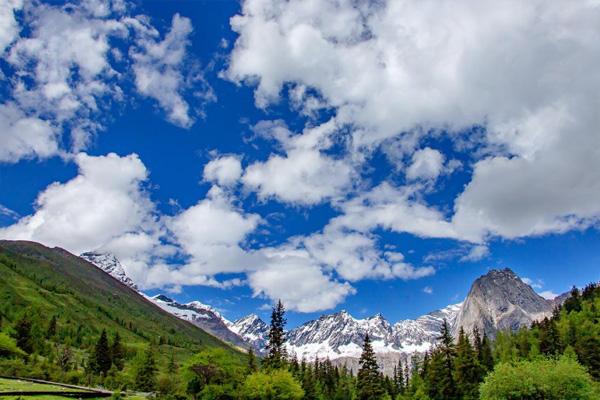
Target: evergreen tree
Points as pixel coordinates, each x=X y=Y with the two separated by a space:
x=252 y=367
x=145 y=377
x=467 y=372
x=276 y=354
x=369 y=383
x=485 y=355
x=573 y=302
x=309 y=384
x=23 y=335
x=398 y=378
x=440 y=371
x=101 y=360
x=172 y=366
x=588 y=353
x=549 y=338
x=51 y=331
x=117 y=352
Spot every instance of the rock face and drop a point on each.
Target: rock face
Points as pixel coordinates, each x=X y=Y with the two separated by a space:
x=500 y=300
x=202 y=316
x=253 y=329
x=109 y=264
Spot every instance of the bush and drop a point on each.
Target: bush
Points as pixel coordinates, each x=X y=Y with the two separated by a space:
x=278 y=384
x=8 y=346
x=548 y=379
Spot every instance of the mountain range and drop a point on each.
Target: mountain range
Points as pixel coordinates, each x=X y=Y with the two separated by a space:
x=498 y=300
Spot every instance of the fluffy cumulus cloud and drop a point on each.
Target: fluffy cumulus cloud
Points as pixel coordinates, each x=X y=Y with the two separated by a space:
x=104 y=203
x=528 y=79
x=71 y=63
x=303 y=174
x=9 y=28
x=158 y=69
x=22 y=136
x=225 y=170
x=292 y=276
x=426 y=163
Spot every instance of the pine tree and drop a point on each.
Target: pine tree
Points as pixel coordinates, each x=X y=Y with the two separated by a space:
x=23 y=335
x=441 y=368
x=252 y=367
x=485 y=356
x=309 y=384
x=172 y=366
x=549 y=338
x=51 y=331
x=369 y=383
x=467 y=373
x=117 y=352
x=276 y=353
x=398 y=377
x=101 y=360
x=145 y=377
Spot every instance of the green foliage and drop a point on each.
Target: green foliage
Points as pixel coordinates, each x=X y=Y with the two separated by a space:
x=548 y=379
x=273 y=385
x=145 y=377
x=23 y=335
x=8 y=346
x=101 y=360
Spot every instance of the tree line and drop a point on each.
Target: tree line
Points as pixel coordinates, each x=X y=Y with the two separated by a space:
x=555 y=358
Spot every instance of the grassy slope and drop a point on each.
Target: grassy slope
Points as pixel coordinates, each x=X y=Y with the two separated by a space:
x=55 y=282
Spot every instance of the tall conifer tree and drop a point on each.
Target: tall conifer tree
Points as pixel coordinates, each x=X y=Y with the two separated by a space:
x=276 y=353
x=369 y=385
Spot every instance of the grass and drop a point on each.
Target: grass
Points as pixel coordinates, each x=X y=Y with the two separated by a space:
x=12 y=385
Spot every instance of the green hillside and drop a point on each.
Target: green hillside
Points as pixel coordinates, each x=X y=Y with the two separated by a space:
x=67 y=303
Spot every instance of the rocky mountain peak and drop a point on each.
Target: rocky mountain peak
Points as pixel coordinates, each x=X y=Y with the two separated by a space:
x=500 y=300
x=110 y=264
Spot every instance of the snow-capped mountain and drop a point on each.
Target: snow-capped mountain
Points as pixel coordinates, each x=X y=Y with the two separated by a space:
x=109 y=264
x=253 y=329
x=497 y=300
x=203 y=316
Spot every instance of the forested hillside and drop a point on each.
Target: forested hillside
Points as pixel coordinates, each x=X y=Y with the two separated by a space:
x=58 y=312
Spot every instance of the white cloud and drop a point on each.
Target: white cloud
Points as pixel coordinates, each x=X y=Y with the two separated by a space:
x=158 y=66
x=427 y=163
x=304 y=175
x=211 y=232
x=527 y=80
x=428 y=290
x=224 y=170
x=71 y=65
x=292 y=277
x=548 y=294
x=23 y=136
x=103 y=203
x=476 y=253
x=9 y=28
x=534 y=284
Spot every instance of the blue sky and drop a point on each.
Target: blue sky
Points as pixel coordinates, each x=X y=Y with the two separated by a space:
x=374 y=159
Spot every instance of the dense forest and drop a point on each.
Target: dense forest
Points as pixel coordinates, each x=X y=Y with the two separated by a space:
x=556 y=358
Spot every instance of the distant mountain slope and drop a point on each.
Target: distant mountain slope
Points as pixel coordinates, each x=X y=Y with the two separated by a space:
x=252 y=329
x=498 y=300
x=51 y=281
x=202 y=316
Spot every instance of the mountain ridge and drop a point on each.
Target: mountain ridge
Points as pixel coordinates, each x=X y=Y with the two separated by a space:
x=496 y=301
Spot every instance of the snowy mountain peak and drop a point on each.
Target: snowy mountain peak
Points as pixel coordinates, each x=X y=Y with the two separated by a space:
x=109 y=264
x=163 y=298
x=201 y=315
x=253 y=329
